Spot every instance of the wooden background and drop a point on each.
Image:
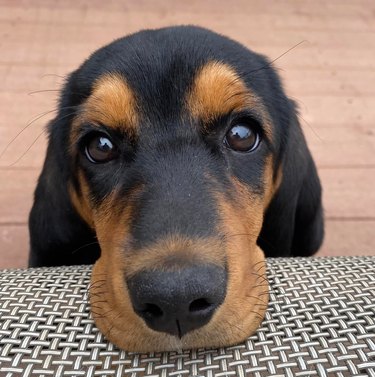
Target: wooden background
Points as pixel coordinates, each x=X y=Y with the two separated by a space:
x=331 y=76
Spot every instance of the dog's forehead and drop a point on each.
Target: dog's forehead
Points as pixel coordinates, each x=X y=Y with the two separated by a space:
x=213 y=91
x=167 y=56
x=160 y=64
x=150 y=77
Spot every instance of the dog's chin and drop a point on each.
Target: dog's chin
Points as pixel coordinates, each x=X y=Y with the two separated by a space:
x=237 y=318
x=219 y=332
x=215 y=334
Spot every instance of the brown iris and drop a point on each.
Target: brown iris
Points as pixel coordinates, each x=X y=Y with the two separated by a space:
x=100 y=149
x=242 y=138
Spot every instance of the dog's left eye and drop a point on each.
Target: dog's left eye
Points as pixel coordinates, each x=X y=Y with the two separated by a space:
x=242 y=137
x=100 y=149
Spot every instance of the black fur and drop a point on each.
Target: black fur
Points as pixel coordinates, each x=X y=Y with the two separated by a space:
x=159 y=66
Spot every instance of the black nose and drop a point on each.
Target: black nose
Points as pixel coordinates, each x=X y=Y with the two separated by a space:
x=178 y=301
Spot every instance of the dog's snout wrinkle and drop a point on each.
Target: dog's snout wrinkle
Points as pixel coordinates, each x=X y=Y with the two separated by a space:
x=179 y=301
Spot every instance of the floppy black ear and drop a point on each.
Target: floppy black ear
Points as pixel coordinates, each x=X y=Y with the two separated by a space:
x=293 y=223
x=58 y=236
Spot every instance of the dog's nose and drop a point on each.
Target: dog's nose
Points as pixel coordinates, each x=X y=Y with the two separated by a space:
x=178 y=301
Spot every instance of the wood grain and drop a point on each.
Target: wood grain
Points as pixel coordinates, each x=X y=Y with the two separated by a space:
x=330 y=76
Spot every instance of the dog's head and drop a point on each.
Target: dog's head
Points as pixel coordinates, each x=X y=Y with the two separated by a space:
x=177 y=155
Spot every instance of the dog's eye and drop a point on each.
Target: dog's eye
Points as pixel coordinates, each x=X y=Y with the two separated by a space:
x=242 y=137
x=100 y=149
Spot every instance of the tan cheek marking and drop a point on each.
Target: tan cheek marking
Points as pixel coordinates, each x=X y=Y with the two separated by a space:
x=113 y=220
x=247 y=292
x=218 y=90
x=245 y=213
x=81 y=203
x=271 y=181
x=109 y=297
x=112 y=103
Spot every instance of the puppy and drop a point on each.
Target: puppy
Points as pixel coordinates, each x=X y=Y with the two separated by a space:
x=176 y=163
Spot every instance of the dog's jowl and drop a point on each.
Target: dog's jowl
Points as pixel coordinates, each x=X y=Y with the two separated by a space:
x=176 y=164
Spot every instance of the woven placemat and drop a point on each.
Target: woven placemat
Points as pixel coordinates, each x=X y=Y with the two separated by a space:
x=320 y=322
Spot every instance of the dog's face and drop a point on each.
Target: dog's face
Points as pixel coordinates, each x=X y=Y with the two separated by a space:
x=172 y=145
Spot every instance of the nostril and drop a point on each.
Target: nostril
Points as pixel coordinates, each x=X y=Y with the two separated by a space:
x=151 y=311
x=178 y=301
x=199 y=305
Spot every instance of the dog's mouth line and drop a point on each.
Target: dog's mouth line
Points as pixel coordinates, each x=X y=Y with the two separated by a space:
x=179 y=329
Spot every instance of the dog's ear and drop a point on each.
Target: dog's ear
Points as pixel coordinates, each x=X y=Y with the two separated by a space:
x=293 y=222
x=58 y=235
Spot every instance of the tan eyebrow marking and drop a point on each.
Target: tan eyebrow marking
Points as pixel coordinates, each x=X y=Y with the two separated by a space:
x=217 y=90
x=112 y=103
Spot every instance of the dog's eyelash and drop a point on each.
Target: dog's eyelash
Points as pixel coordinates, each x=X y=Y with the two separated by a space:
x=88 y=130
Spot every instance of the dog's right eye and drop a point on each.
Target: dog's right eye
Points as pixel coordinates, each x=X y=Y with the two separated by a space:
x=100 y=149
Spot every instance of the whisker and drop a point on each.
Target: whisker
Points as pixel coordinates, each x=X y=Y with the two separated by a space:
x=53 y=75
x=91 y=295
x=262 y=285
x=84 y=246
x=96 y=305
x=113 y=324
x=269 y=65
x=30 y=146
x=259 y=299
x=29 y=124
x=311 y=127
x=256 y=314
x=259 y=262
x=23 y=154
x=236 y=235
x=96 y=284
x=262 y=278
x=25 y=128
x=234 y=323
x=99 y=280
x=42 y=91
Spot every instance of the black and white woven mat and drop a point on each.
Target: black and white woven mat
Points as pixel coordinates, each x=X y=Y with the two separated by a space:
x=320 y=322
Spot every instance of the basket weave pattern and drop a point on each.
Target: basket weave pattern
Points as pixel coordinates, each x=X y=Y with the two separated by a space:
x=320 y=322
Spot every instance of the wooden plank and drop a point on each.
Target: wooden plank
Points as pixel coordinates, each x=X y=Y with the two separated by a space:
x=348 y=238
x=321 y=33
x=14 y=246
x=316 y=12
x=73 y=53
x=16 y=194
x=319 y=39
x=323 y=111
x=342 y=147
x=349 y=193
x=343 y=84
